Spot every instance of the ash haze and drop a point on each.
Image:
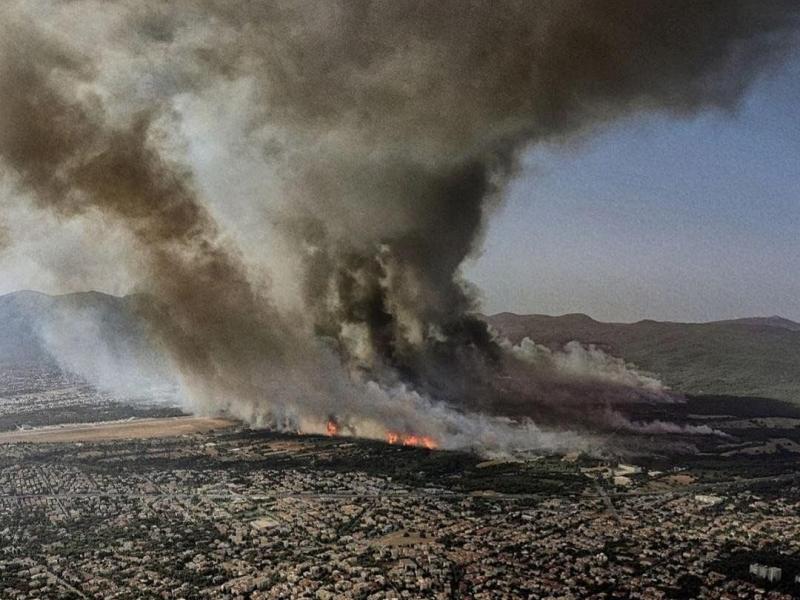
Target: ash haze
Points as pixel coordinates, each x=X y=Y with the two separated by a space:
x=295 y=188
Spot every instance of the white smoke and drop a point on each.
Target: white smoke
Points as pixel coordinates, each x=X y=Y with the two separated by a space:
x=620 y=422
x=585 y=362
x=81 y=341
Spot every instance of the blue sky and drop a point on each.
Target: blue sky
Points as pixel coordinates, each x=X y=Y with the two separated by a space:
x=658 y=218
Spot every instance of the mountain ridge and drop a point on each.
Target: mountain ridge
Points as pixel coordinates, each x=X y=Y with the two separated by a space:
x=750 y=356
x=772 y=321
x=755 y=356
x=80 y=331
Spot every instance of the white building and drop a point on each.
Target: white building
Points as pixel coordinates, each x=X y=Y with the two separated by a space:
x=771 y=574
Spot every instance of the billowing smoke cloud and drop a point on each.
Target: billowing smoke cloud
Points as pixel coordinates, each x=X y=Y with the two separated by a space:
x=588 y=363
x=384 y=133
x=621 y=423
x=95 y=337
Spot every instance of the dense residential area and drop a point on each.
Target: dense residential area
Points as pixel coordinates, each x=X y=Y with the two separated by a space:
x=242 y=514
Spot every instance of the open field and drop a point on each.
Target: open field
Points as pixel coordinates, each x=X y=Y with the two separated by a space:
x=117 y=430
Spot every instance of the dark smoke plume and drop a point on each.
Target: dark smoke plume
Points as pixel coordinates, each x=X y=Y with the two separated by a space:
x=72 y=160
x=388 y=132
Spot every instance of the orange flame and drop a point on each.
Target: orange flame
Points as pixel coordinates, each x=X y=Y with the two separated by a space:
x=332 y=428
x=409 y=439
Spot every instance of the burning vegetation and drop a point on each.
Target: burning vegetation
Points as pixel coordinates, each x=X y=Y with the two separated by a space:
x=332 y=427
x=394 y=438
x=373 y=138
x=410 y=439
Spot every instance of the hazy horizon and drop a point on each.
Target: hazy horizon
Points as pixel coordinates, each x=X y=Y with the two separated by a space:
x=565 y=314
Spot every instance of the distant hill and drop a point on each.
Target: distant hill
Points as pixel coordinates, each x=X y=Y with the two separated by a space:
x=88 y=333
x=774 y=321
x=757 y=357
x=29 y=319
